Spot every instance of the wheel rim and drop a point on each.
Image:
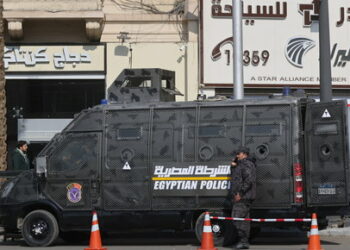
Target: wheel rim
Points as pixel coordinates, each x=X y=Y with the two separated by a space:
x=39 y=229
x=217 y=230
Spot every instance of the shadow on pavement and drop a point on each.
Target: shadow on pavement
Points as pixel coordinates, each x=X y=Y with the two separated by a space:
x=132 y=239
x=177 y=238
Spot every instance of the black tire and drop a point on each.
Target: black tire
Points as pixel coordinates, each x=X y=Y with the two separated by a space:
x=223 y=231
x=40 y=228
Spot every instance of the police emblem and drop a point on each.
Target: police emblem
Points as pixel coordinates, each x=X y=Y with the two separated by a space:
x=74 y=192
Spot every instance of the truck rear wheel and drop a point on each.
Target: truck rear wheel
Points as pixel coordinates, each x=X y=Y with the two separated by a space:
x=223 y=231
x=40 y=228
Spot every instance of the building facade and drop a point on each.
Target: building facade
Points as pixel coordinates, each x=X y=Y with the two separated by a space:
x=61 y=56
x=280 y=45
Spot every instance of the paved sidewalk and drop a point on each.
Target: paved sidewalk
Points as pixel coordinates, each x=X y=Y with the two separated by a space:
x=335 y=232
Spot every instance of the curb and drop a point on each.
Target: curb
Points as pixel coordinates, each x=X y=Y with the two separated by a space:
x=335 y=232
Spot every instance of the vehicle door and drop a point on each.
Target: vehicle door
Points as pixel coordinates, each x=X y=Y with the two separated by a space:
x=267 y=133
x=126 y=170
x=73 y=171
x=326 y=154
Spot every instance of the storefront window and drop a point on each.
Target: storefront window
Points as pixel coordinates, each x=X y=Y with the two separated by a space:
x=53 y=98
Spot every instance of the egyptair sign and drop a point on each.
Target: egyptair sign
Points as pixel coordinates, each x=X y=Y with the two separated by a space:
x=280 y=42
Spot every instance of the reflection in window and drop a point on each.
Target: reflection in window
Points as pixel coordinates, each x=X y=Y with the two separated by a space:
x=75 y=152
x=263 y=129
x=136 y=82
x=129 y=133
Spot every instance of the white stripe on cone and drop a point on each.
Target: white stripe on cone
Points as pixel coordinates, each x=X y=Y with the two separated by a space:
x=95 y=228
x=314 y=231
x=207 y=229
x=94 y=217
x=314 y=222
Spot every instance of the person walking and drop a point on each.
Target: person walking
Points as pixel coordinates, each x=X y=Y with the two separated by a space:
x=20 y=160
x=243 y=190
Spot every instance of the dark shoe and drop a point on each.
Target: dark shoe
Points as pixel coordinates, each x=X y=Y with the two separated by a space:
x=241 y=245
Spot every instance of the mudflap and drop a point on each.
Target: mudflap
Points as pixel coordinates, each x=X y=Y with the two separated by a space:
x=326 y=154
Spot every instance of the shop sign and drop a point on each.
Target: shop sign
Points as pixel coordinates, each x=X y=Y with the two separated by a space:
x=54 y=58
x=280 y=42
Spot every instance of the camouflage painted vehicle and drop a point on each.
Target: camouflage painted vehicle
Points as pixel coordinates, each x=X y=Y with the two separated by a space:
x=144 y=161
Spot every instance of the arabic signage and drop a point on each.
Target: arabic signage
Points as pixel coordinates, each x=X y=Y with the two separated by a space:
x=54 y=58
x=191 y=180
x=280 y=42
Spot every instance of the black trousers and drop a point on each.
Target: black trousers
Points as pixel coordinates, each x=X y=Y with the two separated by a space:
x=241 y=209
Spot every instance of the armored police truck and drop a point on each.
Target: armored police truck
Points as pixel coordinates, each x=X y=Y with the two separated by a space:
x=144 y=161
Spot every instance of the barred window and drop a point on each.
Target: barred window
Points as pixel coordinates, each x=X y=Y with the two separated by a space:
x=263 y=129
x=129 y=133
x=208 y=131
x=75 y=152
x=326 y=129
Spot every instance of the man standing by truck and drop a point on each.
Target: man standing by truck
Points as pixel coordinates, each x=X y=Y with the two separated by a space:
x=243 y=187
x=20 y=160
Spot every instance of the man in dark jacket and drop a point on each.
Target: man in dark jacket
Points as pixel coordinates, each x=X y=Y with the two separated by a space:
x=243 y=187
x=20 y=160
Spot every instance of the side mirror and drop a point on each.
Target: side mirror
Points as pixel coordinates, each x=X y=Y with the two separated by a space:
x=41 y=165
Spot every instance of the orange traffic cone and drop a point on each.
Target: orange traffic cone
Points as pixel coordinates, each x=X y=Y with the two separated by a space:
x=95 y=237
x=207 y=235
x=314 y=239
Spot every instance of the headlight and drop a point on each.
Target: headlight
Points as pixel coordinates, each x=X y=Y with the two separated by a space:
x=7 y=189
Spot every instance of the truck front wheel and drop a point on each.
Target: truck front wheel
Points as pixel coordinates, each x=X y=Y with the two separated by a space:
x=223 y=231
x=40 y=228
